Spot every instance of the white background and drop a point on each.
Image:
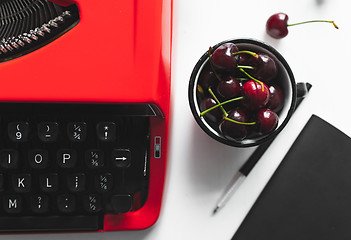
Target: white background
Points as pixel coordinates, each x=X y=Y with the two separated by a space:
x=199 y=168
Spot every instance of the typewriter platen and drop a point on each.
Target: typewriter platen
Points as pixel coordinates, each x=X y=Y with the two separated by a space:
x=84 y=112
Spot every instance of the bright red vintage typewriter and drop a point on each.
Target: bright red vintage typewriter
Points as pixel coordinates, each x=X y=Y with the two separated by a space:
x=84 y=112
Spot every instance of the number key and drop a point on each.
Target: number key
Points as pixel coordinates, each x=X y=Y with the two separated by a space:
x=48 y=131
x=104 y=182
x=77 y=131
x=94 y=158
x=92 y=203
x=18 y=131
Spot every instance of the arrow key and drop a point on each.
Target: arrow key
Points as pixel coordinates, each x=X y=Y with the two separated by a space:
x=121 y=158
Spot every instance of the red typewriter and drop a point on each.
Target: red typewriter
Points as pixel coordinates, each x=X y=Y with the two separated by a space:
x=84 y=112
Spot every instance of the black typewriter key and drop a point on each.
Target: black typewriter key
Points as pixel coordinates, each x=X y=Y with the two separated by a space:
x=38 y=158
x=21 y=182
x=104 y=182
x=106 y=131
x=121 y=158
x=48 y=182
x=67 y=158
x=9 y=159
x=121 y=203
x=92 y=203
x=12 y=204
x=39 y=203
x=66 y=203
x=48 y=131
x=77 y=131
x=18 y=131
x=76 y=182
x=94 y=158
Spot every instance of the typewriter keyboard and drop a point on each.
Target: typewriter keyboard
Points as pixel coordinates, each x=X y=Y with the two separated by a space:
x=64 y=166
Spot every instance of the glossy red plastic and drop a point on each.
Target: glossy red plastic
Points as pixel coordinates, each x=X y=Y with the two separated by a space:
x=119 y=52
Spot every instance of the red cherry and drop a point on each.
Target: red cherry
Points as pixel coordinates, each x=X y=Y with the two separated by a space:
x=213 y=115
x=208 y=79
x=276 y=102
x=277 y=25
x=223 y=58
x=267 y=120
x=260 y=65
x=229 y=88
x=266 y=69
x=256 y=95
x=248 y=60
x=231 y=130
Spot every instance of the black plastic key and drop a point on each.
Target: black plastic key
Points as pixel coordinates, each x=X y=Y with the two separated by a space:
x=9 y=158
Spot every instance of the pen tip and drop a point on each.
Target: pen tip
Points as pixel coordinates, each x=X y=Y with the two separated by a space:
x=215 y=210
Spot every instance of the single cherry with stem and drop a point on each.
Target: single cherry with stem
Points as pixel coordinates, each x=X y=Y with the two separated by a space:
x=277 y=25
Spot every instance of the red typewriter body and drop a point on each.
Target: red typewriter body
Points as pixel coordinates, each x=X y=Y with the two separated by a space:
x=117 y=53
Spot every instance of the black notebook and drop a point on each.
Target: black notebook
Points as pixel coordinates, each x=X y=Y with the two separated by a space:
x=309 y=195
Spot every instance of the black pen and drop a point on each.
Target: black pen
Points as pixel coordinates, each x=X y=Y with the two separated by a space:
x=238 y=178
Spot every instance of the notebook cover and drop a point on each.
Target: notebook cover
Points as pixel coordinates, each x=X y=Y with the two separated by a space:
x=309 y=195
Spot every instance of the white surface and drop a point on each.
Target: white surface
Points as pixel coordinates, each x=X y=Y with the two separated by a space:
x=200 y=168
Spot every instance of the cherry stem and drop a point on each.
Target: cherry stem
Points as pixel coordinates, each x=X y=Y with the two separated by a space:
x=247 y=52
x=245 y=67
x=220 y=105
x=210 y=59
x=256 y=80
x=226 y=118
x=243 y=123
x=332 y=22
x=200 y=89
x=218 y=102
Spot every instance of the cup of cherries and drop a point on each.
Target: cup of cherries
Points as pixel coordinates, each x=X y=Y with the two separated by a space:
x=242 y=92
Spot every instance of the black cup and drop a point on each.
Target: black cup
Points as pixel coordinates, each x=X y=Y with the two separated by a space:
x=286 y=82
